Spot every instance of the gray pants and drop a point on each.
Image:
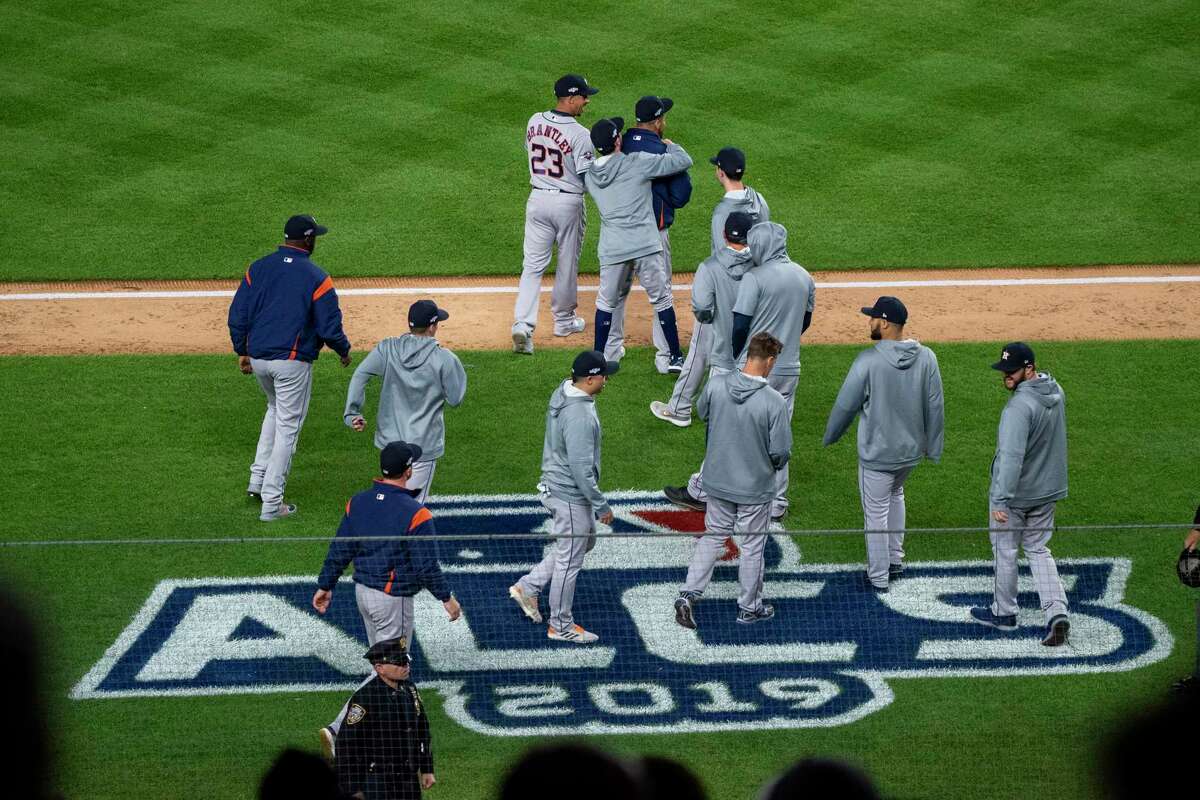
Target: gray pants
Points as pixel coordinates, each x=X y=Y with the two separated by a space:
x=654 y=274
x=385 y=617
x=695 y=484
x=687 y=385
x=748 y=525
x=574 y=526
x=422 y=478
x=1006 y=538
x=786 y=386
x=551 y=218
x=882 y=496
x=288 y=387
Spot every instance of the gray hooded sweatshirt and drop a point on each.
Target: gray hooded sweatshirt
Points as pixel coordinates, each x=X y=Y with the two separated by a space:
x=898 y=388
x=746 y=200
x=749 y=438
x=1030 y=465
x=776 y=294
x=714 y=291
x=420 y=377
x=620 y=185
x=571 y=449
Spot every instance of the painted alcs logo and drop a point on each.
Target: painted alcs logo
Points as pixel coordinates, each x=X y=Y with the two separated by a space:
x=824 y=660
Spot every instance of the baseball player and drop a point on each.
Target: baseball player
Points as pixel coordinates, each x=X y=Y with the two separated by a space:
x=1029 y=477
x=559 y=152
x=629 y=238
x=749 y=439
x=382 y=533
x=897 y=387
x=283 y=312
x=711 y=274
x=420 y=378
x=570 y=491
x=668 y=193
x=1191 y=684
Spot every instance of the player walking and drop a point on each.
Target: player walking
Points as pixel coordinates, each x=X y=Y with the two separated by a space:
x=420 y=378
x=897 y=387
x=1029 y=477
x=283 y=312
x=668 y=193
x=570 y=491
x=559 y=151
x=749 y=439
x=629 y=238
x=738 y=198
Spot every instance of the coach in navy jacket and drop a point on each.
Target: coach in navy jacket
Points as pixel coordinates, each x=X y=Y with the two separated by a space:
x=282 y=313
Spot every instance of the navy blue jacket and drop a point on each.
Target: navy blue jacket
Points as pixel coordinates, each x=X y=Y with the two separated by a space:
x=669 y=192
x=392 y=556
x=286 y=308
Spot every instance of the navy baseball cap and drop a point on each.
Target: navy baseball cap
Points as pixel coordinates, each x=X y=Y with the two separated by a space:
x=731 y=161
x=651 y=107
x=737 y=226
x=605 y=133
x=889 y=308
x=592 y=362
x=424 y=313
x=1014 y=356
x=573 y=86
x=389 y=651
x=302 y=226
x=396 y=457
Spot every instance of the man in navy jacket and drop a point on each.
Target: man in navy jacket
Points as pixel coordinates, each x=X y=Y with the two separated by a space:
x=668 y=193
x=284 y=311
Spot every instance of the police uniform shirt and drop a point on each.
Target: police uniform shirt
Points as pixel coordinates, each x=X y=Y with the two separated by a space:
x=384 y=743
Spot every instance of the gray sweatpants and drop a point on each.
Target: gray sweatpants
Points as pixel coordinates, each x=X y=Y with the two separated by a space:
x=551 y=218
x=1006 y=538
x=687 y=385
x=748 y=525
x=385 y=617
x=786 y=386
x=882 y=494
x=574 y=526
x=695 y=484
x=422 y=478
x=288 y=387
x=657 y=270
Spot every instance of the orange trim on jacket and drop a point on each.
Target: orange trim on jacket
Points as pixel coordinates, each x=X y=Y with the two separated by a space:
x=326 y=286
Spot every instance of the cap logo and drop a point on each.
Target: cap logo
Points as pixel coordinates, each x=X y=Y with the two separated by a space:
x=433 y=319
x=883 y=314
x=308 y=231
x=1004 y=355
x=594 y=371
x=573 y=89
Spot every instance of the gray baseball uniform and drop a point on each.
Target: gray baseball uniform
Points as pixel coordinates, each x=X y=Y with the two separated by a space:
x=630 y=242
x=897 y=387
x=749 y=438
x=559 y=151
x=1029 y=476
x=616 y=333
x=776 y=294
x=420 y=378
x=570 y=491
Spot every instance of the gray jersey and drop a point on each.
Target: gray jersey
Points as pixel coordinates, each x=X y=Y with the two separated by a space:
x=620 y=185
x=559 y=151
x=749 y=438
x=571 y=449
x=745 y=200
x=777 y=293
x=897 y=386
x=1030 y=465
x=420 y=377
x=714 y=292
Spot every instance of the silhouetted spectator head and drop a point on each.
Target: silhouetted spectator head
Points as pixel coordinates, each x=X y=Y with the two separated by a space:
x=1150 y=747
x=821 y=779
x=664 y=779
x=25 y=762
x=297 y=775
x=593 y=775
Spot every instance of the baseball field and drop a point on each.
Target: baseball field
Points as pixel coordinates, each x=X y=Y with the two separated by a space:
x=1012 y=171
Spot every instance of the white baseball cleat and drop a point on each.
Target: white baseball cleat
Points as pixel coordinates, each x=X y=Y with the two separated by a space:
x=528 y=604
x=663 y=412
x=328 y=743
x=575 y=634
x=522 y=340
x=577 y=325
x=283 y=511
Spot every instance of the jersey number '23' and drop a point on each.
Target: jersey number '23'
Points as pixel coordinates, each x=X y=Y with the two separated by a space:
x=539 y=155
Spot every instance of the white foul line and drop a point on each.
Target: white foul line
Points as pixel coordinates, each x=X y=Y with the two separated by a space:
x=450 y=290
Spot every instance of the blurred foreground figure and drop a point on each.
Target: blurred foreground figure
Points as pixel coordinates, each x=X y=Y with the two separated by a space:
x=25 y=762
x=595 y=776
x=818 y=779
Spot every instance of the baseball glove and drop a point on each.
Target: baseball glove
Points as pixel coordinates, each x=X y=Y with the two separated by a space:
x=1188 y=568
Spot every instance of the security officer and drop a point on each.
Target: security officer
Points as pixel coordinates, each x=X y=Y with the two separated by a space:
x=384 y=750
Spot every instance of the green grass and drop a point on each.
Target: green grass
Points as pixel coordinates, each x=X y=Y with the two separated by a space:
x=145 y=447
x=151 y=140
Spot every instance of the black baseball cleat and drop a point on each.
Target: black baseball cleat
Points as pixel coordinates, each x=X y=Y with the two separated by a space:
x=1057 y=631
x=1188 y=687
x=675 y=365
x=255 y=496
x=680 y=497
x=683 y=613
x=895 y=571
x=866 y=580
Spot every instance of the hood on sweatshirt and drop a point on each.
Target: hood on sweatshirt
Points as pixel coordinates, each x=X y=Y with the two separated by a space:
x=735 y=262
x=560 y=399
x=768 y=242
x=604 y=169
x=900 y=354
x=749 y=203
x=1044 y=389
x=415 y=350
x=742 y=387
